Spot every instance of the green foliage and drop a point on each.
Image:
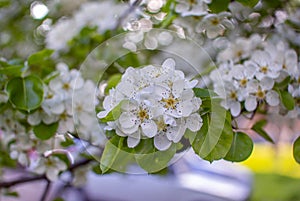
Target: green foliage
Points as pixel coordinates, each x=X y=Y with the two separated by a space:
x=25 y=93
x=287 y=100
x=151 y=159
x=4 y=3
x=44 y=131
x=296 y=150
x=258 y=128
x=241 y=147
x=5 y=160
x=214 y=139
x=249 y=3
x=112 y=82
x=15 y=70
x=116 y=155
x=217 y=6
x=41 y=62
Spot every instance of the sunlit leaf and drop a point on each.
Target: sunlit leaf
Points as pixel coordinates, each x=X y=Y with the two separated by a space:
x=116 y=156
x=151 y=159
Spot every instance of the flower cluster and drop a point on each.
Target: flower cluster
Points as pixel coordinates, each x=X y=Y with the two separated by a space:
x=155 y=102
x=93 y=14
x=250 y=68
x=17 y=130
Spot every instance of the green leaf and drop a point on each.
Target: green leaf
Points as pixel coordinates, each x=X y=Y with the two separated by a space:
x=249 y=3
x=214 y=125
x=39 y=57
x=114 y=113
x=287 y=100
x=12 y=70
x=96 y=169
x=151 y=159
x=12 y=194
x=223 y=145
x=5 y=160
x=204 y=93
x=4 y=3
x=296 y=150
x=113 y=81
x=115 y=156
x=217 y=6
x=44 y=131
x=58 y=199
x=258 y=128
x=25 y=93
x=283 y=84
x=241 y=147
x=41 y=62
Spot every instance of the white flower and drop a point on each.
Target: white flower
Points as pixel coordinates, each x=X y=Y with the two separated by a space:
x=266 y=66
x=19 y=149
x=66 y=82
x=192 y=8
x=259 y=91
x=215 y=24
x=154 y=5
x=232 y=95
x=51 y=166
x=80 y=175
x=155 y=102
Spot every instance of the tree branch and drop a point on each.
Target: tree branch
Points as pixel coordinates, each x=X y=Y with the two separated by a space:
x=7 y=184
x=44 y=196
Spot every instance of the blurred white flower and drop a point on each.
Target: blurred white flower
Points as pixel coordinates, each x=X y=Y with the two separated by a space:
x=51 y=166
x=215 y=24
x=192 y=8
x=261 y=91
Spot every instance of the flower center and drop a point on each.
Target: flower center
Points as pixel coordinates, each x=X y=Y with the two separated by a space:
x=170 y=102
x=243 y=82
x=215 y=21
x=260 y=94
x=143 y=115
x=233 y=95
x=239 y=53
x=161 y=126
x=66 y=86
x=264 y=69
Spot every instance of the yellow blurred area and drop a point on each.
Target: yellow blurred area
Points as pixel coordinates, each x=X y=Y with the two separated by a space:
x=267 y=158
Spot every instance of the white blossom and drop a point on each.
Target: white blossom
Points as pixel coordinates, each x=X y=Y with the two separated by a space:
x=155 y=102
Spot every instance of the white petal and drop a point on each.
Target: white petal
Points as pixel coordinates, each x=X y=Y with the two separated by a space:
x=130 y=46
x=235 y=108
x=175 y=133
x=149 y=128
x=169 y=120
x=185 y=108
x=102 y=114
x=266 y=83
x=169 y=64
x=194 y=122
x=250 y=103
x=161 y=142
x=34 y=119
x=177 y=88
x=134 y=139
x=52 y=174
x=272 y=98
x=127 y=120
